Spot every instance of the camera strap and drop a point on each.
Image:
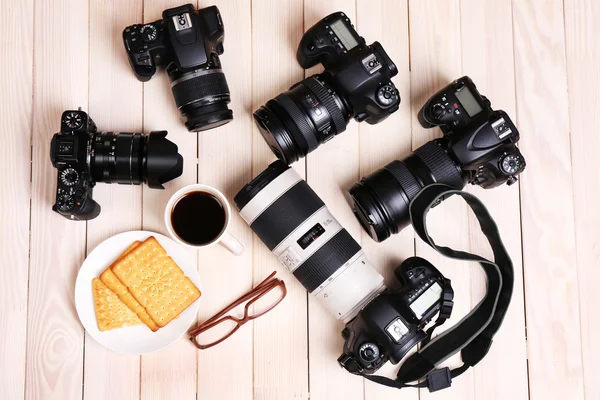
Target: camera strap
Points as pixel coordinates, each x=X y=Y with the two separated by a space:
x=473 y=335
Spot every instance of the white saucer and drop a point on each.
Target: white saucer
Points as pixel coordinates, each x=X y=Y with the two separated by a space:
x=137 y=339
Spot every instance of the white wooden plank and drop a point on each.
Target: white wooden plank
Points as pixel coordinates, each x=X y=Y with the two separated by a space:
x=583 y=62
x=331 y=169
x=280 y=337
x=551 y=287
x=435 y=54
x=16 y=77
x=172 y=372
x=487 y=57
x=386 y=21
x=54 y=333
x=108 y=374
x=225 y=161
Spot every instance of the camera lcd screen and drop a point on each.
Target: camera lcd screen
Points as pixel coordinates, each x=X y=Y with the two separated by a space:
x=426 y=300
x=468 y=101
x=310 y=236
x=345 y=36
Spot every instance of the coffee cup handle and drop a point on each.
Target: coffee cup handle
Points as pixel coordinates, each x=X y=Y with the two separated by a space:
x=231 y=244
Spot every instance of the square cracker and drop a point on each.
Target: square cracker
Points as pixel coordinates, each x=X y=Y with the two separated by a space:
x=111 y=313
x=110 y=279
x=156 y=281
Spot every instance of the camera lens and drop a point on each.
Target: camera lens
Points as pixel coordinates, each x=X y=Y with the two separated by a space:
x=296 y=122
x=201 y=97
x=381 y=200
x=134 y=158
x=294 y=223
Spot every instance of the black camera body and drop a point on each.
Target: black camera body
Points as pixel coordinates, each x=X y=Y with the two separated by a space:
x=359 y=73
x=188 y=43
x=478 y=147
x=84 y=156
x=481 y=140
x=356 y=83
x=392 y=324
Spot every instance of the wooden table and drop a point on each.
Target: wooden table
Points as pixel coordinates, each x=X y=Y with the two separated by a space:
x=538 y=60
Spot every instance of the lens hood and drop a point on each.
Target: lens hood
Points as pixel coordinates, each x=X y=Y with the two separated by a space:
x=162 y=163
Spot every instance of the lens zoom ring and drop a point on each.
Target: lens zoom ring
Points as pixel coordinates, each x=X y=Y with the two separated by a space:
x=285 y=214
x=406 y=180
x=325 y=261
x=200 y=87
x=327 y=99
x=299 y=118
x=441 y=165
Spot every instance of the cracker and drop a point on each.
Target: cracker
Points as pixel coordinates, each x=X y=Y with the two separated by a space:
x=114 y=284
x=111 y=313
x=156 y=281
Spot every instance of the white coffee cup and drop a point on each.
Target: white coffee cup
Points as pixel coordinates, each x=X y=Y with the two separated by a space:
x=225 y=238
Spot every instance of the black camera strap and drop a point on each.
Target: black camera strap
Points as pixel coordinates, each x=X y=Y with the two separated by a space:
x=473 y=335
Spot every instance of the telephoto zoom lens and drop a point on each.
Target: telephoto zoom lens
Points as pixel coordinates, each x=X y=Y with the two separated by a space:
x=294 y=223
x=134 y=158
x=298 y=121
x=381 y=200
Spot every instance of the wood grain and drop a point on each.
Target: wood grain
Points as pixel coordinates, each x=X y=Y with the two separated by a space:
x=54 y=334
x=108 y=374
x=280 y=337
x=435 y=55
x=170 y=373
x=225 y=162
x=16 y=78
x=551 y=284
x=386 y=21
x=583 y=59
x=331 y=169
x=487 y=57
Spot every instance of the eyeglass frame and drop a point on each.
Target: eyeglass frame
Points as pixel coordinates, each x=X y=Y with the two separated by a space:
x=251 y=297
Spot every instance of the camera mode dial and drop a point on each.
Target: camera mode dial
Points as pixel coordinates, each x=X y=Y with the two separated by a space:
x=69 y=177
x=368 y=352
x=73 y=120
x=149 y=33
x=386 y=95
x=510 y=163
x=65 y=202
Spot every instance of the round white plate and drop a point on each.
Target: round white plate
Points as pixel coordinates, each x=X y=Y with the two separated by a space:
x=137 y=339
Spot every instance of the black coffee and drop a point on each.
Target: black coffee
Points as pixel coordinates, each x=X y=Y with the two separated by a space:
x=198 y=218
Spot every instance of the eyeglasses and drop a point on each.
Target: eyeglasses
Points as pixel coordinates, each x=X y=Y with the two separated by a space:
x=263 y=298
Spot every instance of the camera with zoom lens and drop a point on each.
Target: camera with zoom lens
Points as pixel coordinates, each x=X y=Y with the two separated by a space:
x=392 y=323
x=478 y=146
x=381 y=324
x=84 y=156
x=356 y=83
x=188 y=43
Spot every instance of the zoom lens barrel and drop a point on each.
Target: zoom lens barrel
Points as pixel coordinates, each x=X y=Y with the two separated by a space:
x=294 y=223
x=134 y=158
x=381 y=200
x=202 y=97
x=298 y=121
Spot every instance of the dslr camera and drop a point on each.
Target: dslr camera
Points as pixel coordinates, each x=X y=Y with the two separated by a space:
x=393 y=323
x=356 y=83
x=188 y=43
x=381 y=324
x=84 y=156
x=478 y=146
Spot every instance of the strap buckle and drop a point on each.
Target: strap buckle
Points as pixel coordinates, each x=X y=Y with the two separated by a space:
x=447 y=301
x=439 y=379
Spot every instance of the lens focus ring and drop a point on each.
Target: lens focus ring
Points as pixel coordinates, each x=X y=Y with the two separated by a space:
x=332 y=108
x=406 y=180
x=299 y=118
x=441 y=165
x=195 y=88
